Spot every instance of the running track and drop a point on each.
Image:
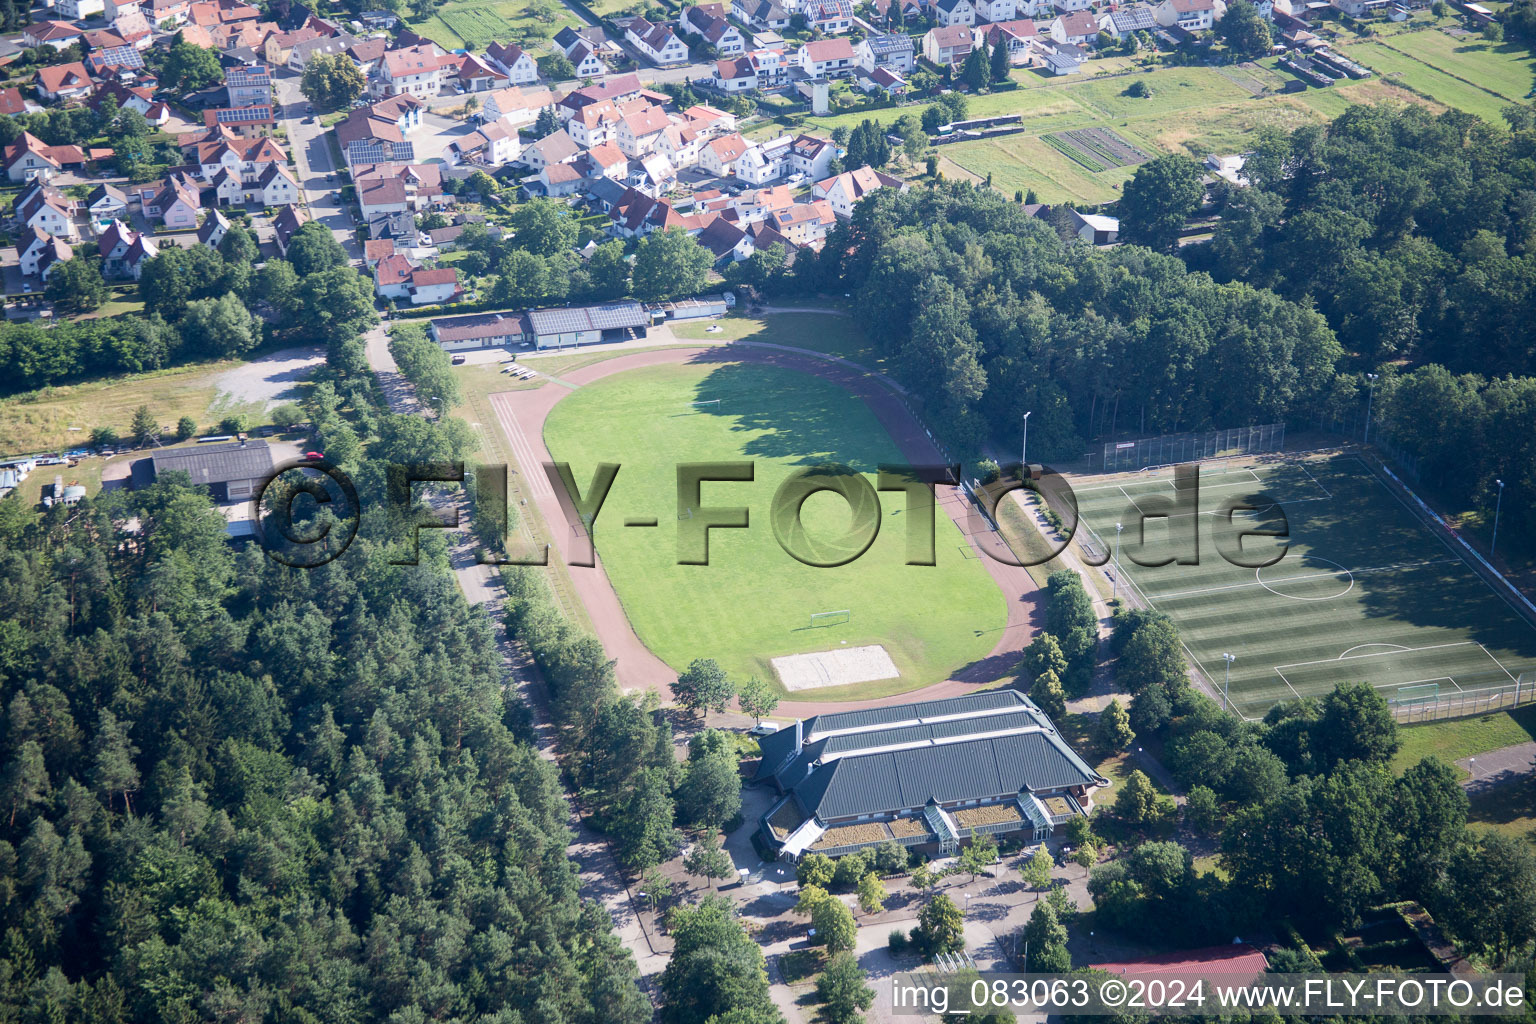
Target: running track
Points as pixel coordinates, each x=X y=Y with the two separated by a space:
x=522 y=415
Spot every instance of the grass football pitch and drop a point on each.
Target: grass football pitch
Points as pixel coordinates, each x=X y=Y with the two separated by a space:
x=1365 y=592
x=754 y=602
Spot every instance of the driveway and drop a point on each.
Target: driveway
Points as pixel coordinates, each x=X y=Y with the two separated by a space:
x=1496 y=767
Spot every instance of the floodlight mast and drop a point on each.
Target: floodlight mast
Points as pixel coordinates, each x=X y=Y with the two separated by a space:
x=1226 y=684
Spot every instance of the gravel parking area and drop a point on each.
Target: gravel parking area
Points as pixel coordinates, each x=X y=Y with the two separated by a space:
x=273 y=378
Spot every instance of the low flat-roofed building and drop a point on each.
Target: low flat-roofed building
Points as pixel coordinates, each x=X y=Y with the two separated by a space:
x=480 y=330
x=924 y=774
x=231 y=471
x=587 y=325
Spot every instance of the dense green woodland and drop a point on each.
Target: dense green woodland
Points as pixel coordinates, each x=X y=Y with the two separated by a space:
x=233 y=790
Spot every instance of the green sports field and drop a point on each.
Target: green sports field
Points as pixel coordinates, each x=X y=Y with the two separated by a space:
x=753 y=602
x=1365 y=592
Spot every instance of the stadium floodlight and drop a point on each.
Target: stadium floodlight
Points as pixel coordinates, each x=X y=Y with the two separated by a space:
x=1369 y=397
x=1114 y=583
x=1227 y=682
x=1024 y=452
x=1498 y=507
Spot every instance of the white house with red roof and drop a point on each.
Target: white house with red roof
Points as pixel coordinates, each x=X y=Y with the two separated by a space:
x=828 y=58
x=178 y=205
x=831 y=17
x=64 y=82
x=1016 y=36
x=413 y=71
x=47 y=209
x=1189 y=15
x=949 y=44
x=734 y=75
x=719 y=156
x=475 y=75
x=26 y=158
x=639 y=132
x=514 y=62
x=57 y=34
x=709 y=21
x=843 y=191
x=1080 y=28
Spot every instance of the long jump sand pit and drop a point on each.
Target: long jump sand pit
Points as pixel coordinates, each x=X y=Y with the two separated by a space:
x=835 y=668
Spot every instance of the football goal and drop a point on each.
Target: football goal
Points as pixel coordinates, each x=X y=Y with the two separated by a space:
x=712 y=403
x=1417 y=693
x=837 y=618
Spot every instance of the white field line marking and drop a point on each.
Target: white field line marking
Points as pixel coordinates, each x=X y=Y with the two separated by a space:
x=1310 y=576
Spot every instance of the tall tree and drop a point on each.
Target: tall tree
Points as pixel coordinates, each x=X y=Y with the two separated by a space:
x=1158 y=201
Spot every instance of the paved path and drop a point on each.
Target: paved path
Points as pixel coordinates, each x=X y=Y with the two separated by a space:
x=522 y=415
x=1496 y=767
x=314 y=163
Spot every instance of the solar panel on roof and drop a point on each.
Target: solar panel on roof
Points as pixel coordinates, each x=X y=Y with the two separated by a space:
x=242 y=115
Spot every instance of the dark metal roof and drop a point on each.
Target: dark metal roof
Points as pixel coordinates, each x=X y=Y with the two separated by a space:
x=217 y=463
x=970 y=703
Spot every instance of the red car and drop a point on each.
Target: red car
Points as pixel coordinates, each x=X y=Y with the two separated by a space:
x=312 y=457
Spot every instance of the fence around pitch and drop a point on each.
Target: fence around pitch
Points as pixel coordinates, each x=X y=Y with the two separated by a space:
x=1466 y=703
x=1168 y=449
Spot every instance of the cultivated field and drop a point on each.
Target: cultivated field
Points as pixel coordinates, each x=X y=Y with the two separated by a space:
x=1476 y=76
x=754 y=602
x=1364 y=593
x=475 y=25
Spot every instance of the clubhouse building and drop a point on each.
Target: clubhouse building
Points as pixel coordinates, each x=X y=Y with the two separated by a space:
x=928 y=773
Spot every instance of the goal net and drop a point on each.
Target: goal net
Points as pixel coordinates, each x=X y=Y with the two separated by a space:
x=836 y=618
x=1417 y=693
x=709 y=403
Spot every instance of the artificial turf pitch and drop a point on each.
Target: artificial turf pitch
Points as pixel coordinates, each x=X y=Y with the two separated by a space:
x=1365 y=592
x=753 y=601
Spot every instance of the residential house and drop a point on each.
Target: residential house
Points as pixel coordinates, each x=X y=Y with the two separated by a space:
x=658 y=42
x=276 y=186
x=811 y=156
x=514 y=62
x=590 y=36
x=228 y=187
x=882 y=79
x=213 y=229
x=64 y=82
x=288 y=220
x=158 y=12
x=248 y=86
x=11 y=102
x=734 y=75
x=399 y=226
x=392 y=277
x=477 y=76
x=719 y=156
x=106 y=202
x=246 y=122
x=57 y=34
x=727 y=241
x=1068 y=6
x=636 y=215
x=843 y=191
x=26 y=158
x=376 y=249
x=1079 y=28
x=1189 y=15
x=954 y=12
x=373 y=134
x=640 y=131
x=113 y=245
x=559 y=180
x=709 y=121
x=133 y=25
x=79 y=10
x=55 y=252
x=805 y=224
x=376 y=21
x=604 y=161
x=827 y=58
x=556 y=148
x=680 y=145
x=368 y=53
x=709 y=21
x=517 y=106
x=176 y=205
x=301 y=54
x=772 y=67
x=1065 y=59
x=765 y=161
x=431 y=287
x=414 y=70
x=120 y=62
x=1016 y=36
x=585 y=60
x=1125 y=21
x=30 y=248
x=490 y=145
x=619 y=89
x=596 y=123
x=140 y=252
x=830 y=17
x=764 y=14
x=246 y=157
x=895 y=51
x=948 y=45
x=376 y=195
x=996 y=10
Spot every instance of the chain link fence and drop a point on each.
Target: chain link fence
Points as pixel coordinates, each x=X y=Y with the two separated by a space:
x=1168 y=449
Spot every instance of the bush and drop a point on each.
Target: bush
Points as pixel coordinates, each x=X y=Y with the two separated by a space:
x=987 y=471
x=104 y=436
x=897 y=942
x=1139 y=90
x=185 y=427
x=287 y=415
x=231 y=424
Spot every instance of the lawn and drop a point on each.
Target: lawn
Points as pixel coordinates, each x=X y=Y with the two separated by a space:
x=1464 y=737
x=831 y=334
x=1509 y=808
x=1363 y=591
x=753 y=601
x=42 y=420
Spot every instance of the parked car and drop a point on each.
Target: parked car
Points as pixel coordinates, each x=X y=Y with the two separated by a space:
x=312 y=457
x=763 y=729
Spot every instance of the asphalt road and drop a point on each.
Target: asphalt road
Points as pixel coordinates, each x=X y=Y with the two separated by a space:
x=313 y=163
